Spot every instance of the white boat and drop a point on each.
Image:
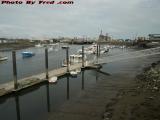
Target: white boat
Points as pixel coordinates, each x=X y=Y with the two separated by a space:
x=89 y=50
x=75 y=58
x=104 y=50
x=50 y=49
x=78 y=70
x=122 y=47
x=52 y=80
x=3 y=58
x=39 y=45
x=73 y=73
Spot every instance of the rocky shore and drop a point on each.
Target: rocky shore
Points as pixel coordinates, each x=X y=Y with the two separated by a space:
x=140 y=101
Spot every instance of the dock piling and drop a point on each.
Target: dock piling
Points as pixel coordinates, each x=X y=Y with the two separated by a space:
x=14 y=69
x=46 y=62
x=67 y=58
x=97 y=52
x=82 y=56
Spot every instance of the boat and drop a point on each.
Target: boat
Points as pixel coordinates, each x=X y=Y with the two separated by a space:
x=50 y=49
x=122 y=47
x=104 y=50
x=39 y=45
x=27 y=54
x=73 y=73
x=78 y=70
x=53 y=79
x=3 y=58
x=89 y=50
x=74 y=58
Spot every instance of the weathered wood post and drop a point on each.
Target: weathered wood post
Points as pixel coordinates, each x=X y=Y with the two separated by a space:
x=82 y=56
x=97 y=52
x=14 y=69
x=46 y=62
x=67 y=58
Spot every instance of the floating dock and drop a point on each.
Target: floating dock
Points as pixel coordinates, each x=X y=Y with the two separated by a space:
x=8 y=88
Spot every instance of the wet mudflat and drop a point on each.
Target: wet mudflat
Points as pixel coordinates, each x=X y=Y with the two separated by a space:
x=101 y=101
x=81 y=97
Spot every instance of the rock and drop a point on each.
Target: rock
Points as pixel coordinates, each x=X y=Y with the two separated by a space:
x=155 y=88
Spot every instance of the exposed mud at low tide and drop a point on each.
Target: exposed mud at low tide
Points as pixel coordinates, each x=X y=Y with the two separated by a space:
x=139 y=102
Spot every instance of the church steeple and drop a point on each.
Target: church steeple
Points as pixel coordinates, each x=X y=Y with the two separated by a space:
x=101 y=32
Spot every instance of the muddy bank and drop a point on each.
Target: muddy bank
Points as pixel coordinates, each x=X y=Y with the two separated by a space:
x=15 y=46
x=140 y=101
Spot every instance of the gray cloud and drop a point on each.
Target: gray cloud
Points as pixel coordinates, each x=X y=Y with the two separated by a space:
x=120 y=18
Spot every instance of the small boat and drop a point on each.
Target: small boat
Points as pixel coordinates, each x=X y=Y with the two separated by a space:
x=52 y=80
x=78 y=70
x=74 y=58
x=50 y=49
x=39 y=45
x=27 y=54
x=3 y=58
x=73 y=73
x=105 y=50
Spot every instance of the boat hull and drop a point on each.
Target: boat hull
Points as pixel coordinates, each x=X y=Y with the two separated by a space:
x=3 y=58
x=26 y=55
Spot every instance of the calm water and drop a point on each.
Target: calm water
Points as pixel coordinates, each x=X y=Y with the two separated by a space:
x=36 y=103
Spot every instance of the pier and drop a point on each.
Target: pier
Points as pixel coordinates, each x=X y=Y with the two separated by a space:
x=7 y=88
x=17 y=85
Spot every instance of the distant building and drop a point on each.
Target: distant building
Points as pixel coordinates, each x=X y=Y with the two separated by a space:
x=154 y=37
x=104 y=38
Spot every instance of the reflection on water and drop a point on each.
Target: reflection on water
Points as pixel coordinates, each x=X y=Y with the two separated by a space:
x=82 y=79
x=17 y=107
x=36 y=103
x=48 y=97
x=67 y=87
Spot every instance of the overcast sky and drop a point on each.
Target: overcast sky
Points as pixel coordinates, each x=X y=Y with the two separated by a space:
x=119 y=18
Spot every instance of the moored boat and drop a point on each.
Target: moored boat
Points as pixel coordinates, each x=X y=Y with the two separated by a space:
x=52 y=80
x=39 y=45
x=73 y=73
x=75 y=58
x=27 y=54
x=3 y=58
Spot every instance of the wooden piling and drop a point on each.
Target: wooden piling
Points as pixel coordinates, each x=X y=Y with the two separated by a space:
x=14 y=69
x=46 y=62
x=97 y=53
x=67 y=58
x=82 y=56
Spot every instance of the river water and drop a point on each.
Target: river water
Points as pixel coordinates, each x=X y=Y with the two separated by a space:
x=38 y=102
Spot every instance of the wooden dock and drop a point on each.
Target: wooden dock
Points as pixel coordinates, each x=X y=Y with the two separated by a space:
x=8 y=88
